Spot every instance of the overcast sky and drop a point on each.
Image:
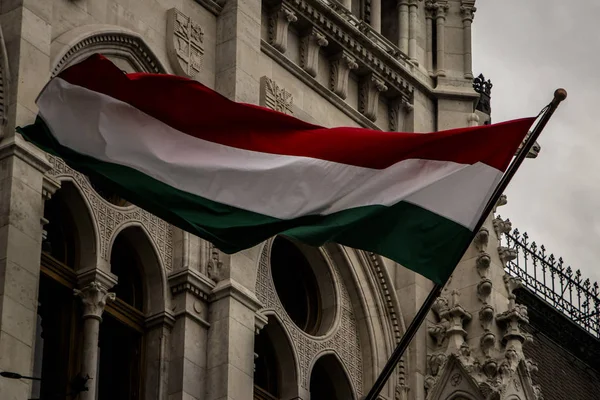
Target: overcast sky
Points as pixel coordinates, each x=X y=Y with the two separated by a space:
x=528 y=48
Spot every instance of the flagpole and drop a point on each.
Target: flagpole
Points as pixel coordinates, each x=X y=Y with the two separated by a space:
x=388 y=369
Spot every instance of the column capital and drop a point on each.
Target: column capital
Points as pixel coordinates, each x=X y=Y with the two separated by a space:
x=468 y=12
x=94 y=297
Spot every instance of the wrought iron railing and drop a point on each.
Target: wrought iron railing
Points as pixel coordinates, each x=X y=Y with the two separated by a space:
x=557 y=284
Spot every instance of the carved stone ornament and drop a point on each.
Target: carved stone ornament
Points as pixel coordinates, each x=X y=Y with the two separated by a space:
x=279 y=20
x=370 y=88
x=343 y=339
x=309 y=51
x=94 y=297
x=341 y=65
x=109 y=219
x=467 y=10
x=275 y=97
x=398 y=109
x=185 y=44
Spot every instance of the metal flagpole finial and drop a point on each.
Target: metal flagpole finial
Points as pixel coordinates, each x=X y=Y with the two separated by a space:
x=560 y=94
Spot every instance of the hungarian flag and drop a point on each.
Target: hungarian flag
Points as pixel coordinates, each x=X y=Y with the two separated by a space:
x=237 y=174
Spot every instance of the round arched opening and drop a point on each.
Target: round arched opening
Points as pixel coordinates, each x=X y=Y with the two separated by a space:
x=304 y=285
x=328 y=381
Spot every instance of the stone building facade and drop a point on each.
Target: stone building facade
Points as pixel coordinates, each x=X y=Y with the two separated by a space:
x=93 y=287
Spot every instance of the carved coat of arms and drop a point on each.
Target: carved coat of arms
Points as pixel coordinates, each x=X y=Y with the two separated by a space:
x=185 y=43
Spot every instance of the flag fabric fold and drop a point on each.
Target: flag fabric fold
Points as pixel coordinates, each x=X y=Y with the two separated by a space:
x=237 y=174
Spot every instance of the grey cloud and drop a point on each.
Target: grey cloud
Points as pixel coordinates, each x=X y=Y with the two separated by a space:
x=528 y=49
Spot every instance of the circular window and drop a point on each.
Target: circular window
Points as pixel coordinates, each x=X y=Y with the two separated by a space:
x=304 y=285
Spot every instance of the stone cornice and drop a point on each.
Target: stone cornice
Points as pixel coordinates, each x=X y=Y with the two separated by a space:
x=164 y=318
x=399 y=74
x=185 y=313
x=302 y=75
x=191 y=281
x=16 y=146
x=229 y=287
x=214 y=7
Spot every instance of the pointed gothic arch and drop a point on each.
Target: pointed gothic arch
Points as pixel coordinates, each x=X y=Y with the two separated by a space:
x=114 y=42
x=329 y=379
x=154 y=275
x=370 y=287
x=76 y=211
x=276 y=364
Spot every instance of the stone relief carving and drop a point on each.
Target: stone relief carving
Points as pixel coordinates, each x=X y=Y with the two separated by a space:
x=279 y=21
x=309 y=51
x=185 y=43
x=396 y=108
x=341 y=65
x=275 y=97
x=370 y=88
x=109 y=218
x=130 y=45
x=344 y=340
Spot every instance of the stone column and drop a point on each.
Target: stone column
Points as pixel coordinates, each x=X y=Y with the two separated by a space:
x=24 y=65
x=190 y=290
x=467 y=11
x=94 y=296
x=230 y=355
x=238 y=51
x=440 y=17
x=403 y=25
x=429 y=13
x=376 y=15
x=412 y=31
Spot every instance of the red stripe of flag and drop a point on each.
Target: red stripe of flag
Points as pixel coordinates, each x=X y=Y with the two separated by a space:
x=192 y=108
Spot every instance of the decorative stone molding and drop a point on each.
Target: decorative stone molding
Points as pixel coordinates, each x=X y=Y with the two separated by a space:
x=323 y=90
x=341 y=65
x=94 y=297
x=481 y=239
x=275 y=97
x=109 y=218
x=185 y=44
x=309 y=51
x=343 y=340
x=280 y=18
x=361 y=48
x=440 y=8
x=84 y=41
x=506 y=254
x=502 y=201
x=467 y=10
x=190 y=281
x=4 y=84
x=501 y=227
x=214 y=266
x=395 y=107
x=370 y=88
x=512 y=319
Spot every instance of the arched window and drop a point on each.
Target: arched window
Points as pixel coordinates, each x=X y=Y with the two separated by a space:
x=58 y=330
x=328 y=381
x=121 y=331
x=274 y=364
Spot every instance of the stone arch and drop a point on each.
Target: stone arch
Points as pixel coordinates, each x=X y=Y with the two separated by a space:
x=112 y=41
x=370 y=288
x=83 y=218
x=332 y=363
x=289 y=368
x=461 y=395
x=155 y=280
x=342 y=337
